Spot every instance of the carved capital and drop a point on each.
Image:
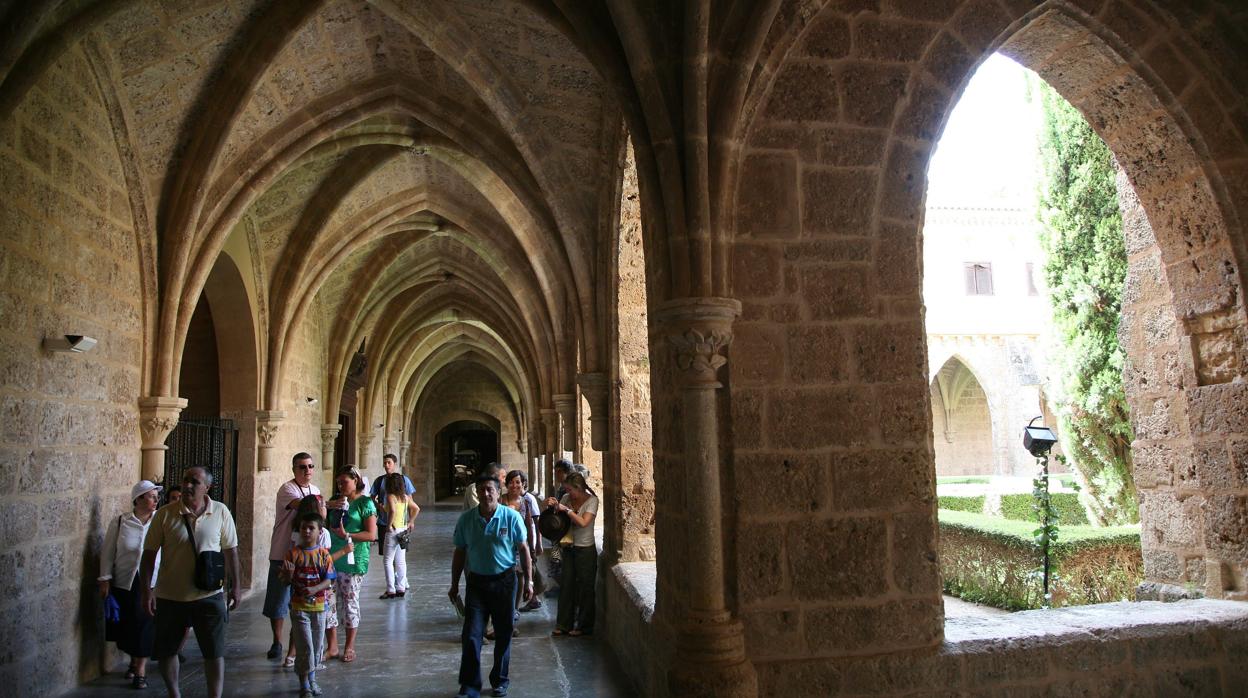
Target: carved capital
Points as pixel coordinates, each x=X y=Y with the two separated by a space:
x=157 y=417
x=596 y=389
x=699 y=331
x=329 y=436
x=594 y=386
x=550 y=418
x=268 y=422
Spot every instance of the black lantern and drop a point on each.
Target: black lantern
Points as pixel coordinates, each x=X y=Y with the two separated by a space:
x=1038 y=440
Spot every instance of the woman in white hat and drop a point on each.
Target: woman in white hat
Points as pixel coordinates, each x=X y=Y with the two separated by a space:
x=119 y=566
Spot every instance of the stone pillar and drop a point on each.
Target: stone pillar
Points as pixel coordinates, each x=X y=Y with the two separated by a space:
x=550 y=428
x=366 y=449
x=329 y=435
x=565 y=407
x=404 y=453
x=595 y=388
x=267 y=424
x=710 y=642
x=157 y=417
x=388 y=445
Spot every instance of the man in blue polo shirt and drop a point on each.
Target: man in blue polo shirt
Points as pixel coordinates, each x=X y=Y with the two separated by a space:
x=489 y=539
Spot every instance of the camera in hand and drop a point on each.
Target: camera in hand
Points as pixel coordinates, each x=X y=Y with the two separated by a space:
x=333 y=518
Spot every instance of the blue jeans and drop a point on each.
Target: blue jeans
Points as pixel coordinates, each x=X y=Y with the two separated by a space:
x=489 y=597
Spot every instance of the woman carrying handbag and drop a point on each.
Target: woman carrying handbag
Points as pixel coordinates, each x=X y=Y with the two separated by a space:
x=133 y=630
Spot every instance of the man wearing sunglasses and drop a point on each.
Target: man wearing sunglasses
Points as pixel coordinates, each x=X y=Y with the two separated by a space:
x=277 y=596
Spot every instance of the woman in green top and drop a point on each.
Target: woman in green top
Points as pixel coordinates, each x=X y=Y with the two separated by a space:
x=359 y=521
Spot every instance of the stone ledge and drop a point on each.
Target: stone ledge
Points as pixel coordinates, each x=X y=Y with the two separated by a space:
x=640 y=581
x=1122 y=620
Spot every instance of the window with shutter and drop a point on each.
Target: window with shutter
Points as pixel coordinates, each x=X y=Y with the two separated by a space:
x=978 y=278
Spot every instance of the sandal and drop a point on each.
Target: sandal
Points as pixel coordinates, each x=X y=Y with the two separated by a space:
x=288 y=662
x=348 y=656
x=575 y=633
x=388 y=595
x=557 y=632
x=130 y=673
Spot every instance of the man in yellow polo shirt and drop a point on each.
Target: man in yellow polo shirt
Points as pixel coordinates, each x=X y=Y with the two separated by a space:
x=178 y=602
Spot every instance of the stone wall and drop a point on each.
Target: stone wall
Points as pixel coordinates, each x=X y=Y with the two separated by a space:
x=457 y=392
x=630 y=460
x=70 y=436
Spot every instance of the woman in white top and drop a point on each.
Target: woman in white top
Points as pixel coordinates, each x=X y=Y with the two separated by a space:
x=580 y=558
x=119 y=566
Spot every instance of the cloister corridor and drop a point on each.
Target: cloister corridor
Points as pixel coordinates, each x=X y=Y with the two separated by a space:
x=407 y=647
x=676 y=241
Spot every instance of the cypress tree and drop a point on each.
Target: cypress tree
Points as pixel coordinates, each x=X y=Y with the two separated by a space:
x=1085 y=272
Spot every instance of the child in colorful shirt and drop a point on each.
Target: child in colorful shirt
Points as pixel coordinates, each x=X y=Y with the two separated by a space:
x=309 y=567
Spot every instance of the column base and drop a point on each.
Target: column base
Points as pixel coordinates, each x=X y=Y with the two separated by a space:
x=711 y=661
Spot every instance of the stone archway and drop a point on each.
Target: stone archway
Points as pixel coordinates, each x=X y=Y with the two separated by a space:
x=236 y=348
x=961 y=422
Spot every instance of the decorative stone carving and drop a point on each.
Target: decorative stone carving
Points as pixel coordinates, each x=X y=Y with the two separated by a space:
x=329 y=438
x=268 y=422
x=157 y=417
x=710 y=642
x=596 y=389
x=699 y=331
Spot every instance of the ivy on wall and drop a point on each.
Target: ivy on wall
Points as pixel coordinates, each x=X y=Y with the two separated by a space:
x=1085 y=271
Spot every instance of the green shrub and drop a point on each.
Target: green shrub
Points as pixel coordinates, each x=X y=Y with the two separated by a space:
x=1066 y=504
x=996 y=561
x=963 y=480
x=974 y=504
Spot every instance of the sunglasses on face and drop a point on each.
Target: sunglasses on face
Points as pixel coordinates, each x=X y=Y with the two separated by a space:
x=304 y=466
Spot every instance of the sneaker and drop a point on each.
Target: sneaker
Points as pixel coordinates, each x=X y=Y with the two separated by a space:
x=305 y=693
x=500 y=691
x=314 y=687
x=138 y=682
x=275 y=650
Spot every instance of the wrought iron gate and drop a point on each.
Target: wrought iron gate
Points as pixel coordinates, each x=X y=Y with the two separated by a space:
x=209 y=443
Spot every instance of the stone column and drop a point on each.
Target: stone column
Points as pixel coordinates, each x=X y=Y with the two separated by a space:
x=366 y=449
x=405 y=457
x=565 y=406
x=157 y=417
x=550 y=428
x=329 y=435
x=388 y=445
x=595 y=388
x=267 y=424
x=710 y=642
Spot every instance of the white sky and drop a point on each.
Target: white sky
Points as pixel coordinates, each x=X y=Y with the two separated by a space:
x=987 y=153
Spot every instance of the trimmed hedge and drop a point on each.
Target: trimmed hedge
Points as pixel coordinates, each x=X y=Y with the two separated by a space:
x=995 y=561
x=1066 y=504
x=971 y=503
x=963 y=480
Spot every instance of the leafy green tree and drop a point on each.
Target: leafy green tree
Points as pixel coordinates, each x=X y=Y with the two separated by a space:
x=1085 y=272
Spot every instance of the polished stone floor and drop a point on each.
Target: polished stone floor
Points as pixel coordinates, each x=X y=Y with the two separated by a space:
x=408 y=647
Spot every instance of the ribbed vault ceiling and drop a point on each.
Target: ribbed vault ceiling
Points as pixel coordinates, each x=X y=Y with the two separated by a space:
x=425 y=178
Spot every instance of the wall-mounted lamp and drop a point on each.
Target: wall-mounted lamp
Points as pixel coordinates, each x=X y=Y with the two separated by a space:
x=70 y=343
x=400 y=430
x=380 y=425
x=311 y=400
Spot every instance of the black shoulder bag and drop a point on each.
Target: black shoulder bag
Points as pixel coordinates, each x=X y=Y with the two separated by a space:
x=209 y=564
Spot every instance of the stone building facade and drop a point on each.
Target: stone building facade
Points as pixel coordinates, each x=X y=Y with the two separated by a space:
x=986 y=321
x=447 y=184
